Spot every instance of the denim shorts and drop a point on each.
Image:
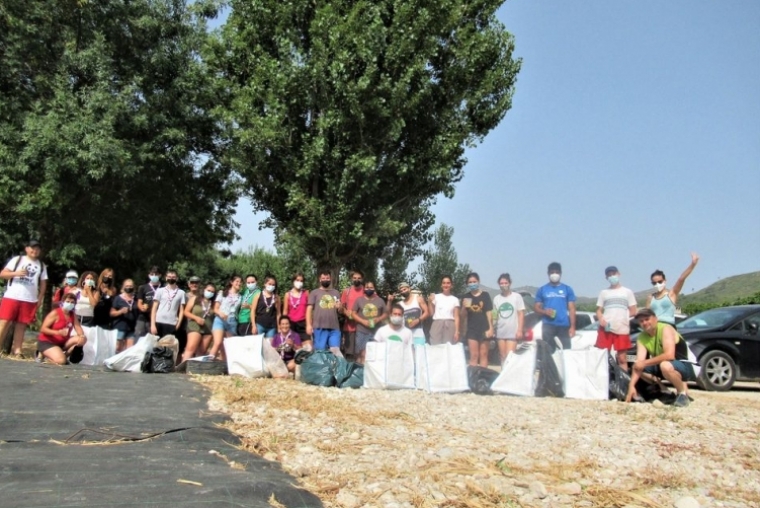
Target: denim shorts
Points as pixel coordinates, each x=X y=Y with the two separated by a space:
x=121 y=335
x=229 y=326
x=684 y=368
x=267 y=332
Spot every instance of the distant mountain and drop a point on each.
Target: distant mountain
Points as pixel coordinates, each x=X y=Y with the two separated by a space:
x=726 y=290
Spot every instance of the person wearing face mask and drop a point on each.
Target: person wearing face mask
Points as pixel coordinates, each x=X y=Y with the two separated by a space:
x=395 y=329
x=199 y=313
x=106 y=292
x=347 y=299
x=245 y=324
x=415 y=311
x=615 y=307
x=664 y=301
x=69 y=286
x=145 y=295
x=322 y=315
x=267 y=307
x=294 y=305
x=124 y=315
x=477 y=320
x=88 y=298
x=167 y=310
x=368 y=313
x=509 y=314
x=226 y=307
x=61 y=332
x=556 y=302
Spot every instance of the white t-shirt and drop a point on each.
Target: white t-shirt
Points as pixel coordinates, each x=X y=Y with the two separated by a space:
x=387 y=333
x=506 y=309
x=169 y=302
x=615 y=304
x=445 y=306
x=25 y=289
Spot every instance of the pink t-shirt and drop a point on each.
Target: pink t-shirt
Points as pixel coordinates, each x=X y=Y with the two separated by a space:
x=297 y=306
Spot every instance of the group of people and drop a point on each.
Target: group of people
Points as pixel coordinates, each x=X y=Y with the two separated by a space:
x=202 y=315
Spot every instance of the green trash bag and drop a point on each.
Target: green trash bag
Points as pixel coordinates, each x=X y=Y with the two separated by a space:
x=318 y=369
x=348 y=374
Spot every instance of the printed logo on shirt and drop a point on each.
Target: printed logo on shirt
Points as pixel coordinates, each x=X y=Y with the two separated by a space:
x=476 y=307
x=395 y=337
x=506 y=310
x=327 y=302
x=369 y=310
x=31 y=273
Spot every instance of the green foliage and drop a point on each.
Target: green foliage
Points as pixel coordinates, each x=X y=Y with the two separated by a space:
x=441 y=259
x=348 y=118
x=725 y=290
x=108 y=148
x=694 y=308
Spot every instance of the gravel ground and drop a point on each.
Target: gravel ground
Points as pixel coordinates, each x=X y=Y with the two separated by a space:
x=402 y=449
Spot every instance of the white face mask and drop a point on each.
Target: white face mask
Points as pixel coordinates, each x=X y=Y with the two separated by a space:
x=208 y=294
x=298 y=284
x=269 y=288
x=659 y=286
x=613 y=280
x=554 y=277
x=397 y=320
x=68 y=306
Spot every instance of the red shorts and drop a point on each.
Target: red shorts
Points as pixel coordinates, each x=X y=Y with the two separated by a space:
x=18 y=311
x=608 y=340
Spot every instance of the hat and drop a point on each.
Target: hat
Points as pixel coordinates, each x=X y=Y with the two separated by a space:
x=644 y=313
x=404 y=285
x=194 y=278
x=72 y=273
x=611 y=269
x=33 y=243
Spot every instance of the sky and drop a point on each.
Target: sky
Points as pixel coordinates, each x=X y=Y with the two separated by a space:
x=633 y=140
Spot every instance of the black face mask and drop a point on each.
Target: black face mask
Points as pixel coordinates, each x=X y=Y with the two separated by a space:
x=107 y=280
x=171 y=281
x=357 y=283
x=369 y=292
x=325 y=283
x=129 y=291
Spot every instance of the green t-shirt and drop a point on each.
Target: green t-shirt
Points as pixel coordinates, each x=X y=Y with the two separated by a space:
x=653 y=345
x=244 y=316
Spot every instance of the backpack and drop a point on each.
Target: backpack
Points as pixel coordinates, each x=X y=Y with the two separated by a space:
x=18 y=262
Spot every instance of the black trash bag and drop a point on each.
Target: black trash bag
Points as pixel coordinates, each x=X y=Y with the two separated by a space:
x=77 y=354
x=158 y=361
x=301 y=355
x=619 y=379
x=318 y=369
x=481 y=379
x=348 y=374
x=549 y=382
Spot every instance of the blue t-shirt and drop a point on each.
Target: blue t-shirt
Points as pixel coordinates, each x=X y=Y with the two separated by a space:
x=556 y=297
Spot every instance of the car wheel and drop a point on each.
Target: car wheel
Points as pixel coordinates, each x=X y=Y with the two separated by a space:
x=718 y=371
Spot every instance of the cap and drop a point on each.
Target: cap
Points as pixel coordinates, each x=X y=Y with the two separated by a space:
x=644 y=313
x=611 y=269
x=33 y=243
x=404 y=285
x=72 y=273
x=194 y=278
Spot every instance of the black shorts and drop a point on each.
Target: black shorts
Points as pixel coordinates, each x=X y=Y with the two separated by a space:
x=43 y=345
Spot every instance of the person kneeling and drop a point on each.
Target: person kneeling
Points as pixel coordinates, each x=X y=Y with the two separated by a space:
x=661 y=353
x=56 y=341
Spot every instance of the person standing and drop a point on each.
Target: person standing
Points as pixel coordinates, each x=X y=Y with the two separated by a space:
x=368 y=312
x=415 y=311
x=445 y=310
x=615 y=307
x=509 y=316
x=267 y=308
x=104 y=296
x=556 y=302
x=27 y=280
x=199 y=312
x=664 y=301
x=226 y=307
x=322 y=315
x=347 y=300
x=166 y=313
x=124 y=316
x=69 y=286
x=477 y=320
x=245 y=323
x=145 y=295
x=294 y=306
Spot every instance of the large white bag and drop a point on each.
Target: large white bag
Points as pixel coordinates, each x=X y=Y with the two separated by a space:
x=441 y=368
x=244 y=356
x=586 y=373
x=518 y=372
x=273 y=362
x=100 y=345
x=130 y=359
x=389 y=365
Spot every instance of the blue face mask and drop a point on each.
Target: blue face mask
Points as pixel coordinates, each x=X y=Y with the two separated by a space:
x=71 y=281
x=473 y=287
x=369 y=292
x=208 y=294
x=154 y=278
x=613 y=280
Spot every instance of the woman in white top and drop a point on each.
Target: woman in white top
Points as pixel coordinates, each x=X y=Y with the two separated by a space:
x=88 y=298
x=445 y=327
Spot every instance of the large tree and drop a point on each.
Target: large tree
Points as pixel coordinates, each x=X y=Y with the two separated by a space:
x=108 y=148
x=441 y=259
x=348 y=118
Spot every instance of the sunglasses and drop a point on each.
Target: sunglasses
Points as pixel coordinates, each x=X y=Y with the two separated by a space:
x=657 y=282
x=194 y=283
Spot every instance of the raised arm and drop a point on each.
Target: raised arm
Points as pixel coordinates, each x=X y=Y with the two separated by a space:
x=678 y=286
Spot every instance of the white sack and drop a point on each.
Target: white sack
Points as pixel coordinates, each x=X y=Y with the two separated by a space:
x=130 y=359
x=441 y=368
x=518 y=372
x=244 y=356
x=273 y=362
x=101 y=344
x=389 y=365
x=586 y=373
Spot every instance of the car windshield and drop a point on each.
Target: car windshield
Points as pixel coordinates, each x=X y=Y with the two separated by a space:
x=592 y=326
x=711 y=318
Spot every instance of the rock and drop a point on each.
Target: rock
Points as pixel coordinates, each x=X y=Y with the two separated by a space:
x=657 y=403
x=571 y=489
x=354 y=436
x=686 y=502
x=347 y=500
x=538 y=489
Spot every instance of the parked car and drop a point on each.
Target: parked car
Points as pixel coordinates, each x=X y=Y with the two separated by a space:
x=726 y=342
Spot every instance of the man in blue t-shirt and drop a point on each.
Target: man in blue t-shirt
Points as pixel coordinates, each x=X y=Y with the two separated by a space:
x=556 y=301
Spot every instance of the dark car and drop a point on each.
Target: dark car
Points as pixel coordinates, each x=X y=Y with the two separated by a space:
x=727 y=344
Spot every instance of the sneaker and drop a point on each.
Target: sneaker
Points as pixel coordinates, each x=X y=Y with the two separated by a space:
x=682 y=400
